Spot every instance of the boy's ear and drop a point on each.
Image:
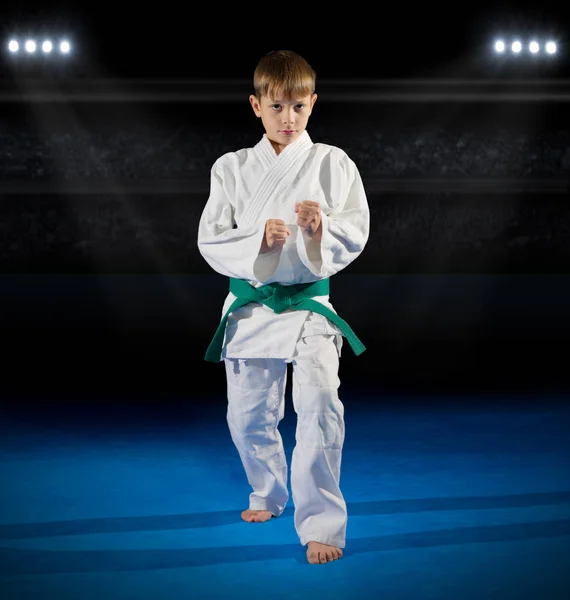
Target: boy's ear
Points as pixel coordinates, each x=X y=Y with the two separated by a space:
x=255 y=105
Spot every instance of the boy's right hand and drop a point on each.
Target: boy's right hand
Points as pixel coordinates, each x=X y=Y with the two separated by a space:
x=276 y=233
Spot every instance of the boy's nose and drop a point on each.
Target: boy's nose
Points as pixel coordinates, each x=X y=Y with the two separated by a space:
x=288 y=118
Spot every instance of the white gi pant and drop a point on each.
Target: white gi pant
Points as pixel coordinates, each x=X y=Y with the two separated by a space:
x=256 y=405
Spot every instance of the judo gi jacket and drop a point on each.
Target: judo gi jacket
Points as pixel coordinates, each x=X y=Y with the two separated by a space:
x=252 y=185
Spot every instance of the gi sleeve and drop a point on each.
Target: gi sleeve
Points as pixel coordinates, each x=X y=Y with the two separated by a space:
x=345 y=229
x=233 y=252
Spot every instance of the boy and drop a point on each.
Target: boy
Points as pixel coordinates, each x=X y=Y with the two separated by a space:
x=282 y=217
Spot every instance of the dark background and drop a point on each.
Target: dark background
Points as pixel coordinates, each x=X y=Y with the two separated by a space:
x=464 y=283
x=209 y=40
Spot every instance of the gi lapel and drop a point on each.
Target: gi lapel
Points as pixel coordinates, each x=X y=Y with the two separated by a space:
x=279 y=171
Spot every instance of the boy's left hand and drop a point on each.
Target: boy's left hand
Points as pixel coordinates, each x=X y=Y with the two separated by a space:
x=309 y=217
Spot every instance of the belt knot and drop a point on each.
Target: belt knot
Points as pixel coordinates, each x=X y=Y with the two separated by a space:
x=281 y=300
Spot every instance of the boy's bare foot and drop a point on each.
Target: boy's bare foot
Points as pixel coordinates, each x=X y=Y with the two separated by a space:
x=256 y=516
x=321 y=553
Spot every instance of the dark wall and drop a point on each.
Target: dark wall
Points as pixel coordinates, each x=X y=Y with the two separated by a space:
x=455 y=232
x=142 y=332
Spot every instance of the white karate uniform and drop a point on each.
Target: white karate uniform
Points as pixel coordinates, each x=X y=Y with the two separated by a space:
x=248 y=187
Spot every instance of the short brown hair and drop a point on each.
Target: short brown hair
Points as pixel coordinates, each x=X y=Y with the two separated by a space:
x=284 y=71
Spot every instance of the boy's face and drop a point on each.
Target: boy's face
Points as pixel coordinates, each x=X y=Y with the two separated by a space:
x=284 y=119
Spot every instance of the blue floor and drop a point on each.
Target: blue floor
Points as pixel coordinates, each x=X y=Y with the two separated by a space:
x=444 y=502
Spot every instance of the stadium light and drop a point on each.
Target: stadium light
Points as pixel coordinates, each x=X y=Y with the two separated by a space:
x=30 y=46
x=518 y=46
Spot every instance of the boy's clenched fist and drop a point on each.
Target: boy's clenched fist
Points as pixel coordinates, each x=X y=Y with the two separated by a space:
x=309 y=217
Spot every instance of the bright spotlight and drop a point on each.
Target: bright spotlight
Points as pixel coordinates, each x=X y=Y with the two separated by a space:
x=551 y=47
x=13 y=46
x=533 y=47
x=500 y=46
x=516 y=47
x=31 y=46
x=47 y=46
x=64 y=47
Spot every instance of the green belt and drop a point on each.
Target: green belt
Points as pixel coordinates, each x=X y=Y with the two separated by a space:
x=281 y=298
